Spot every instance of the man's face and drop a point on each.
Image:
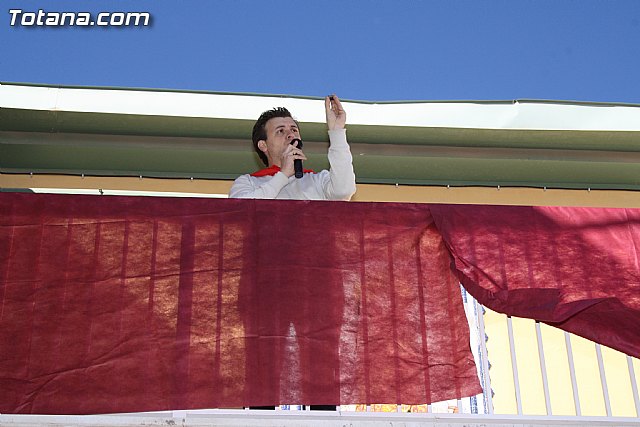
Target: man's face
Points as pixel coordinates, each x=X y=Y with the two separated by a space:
x=280 y=131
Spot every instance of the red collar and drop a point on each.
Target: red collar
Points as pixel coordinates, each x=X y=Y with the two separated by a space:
x=272 y=170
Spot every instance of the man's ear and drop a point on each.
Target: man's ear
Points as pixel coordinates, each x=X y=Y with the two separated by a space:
x=262 y=145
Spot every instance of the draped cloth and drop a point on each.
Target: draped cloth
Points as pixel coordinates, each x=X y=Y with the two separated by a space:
x=127 y=304
x=574 y=268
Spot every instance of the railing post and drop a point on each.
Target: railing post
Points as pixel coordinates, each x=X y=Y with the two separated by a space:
x=603 y=380
x=572 y=372
x=514 y=365
x=484 y=358
x=634 y=385
x=543 y=370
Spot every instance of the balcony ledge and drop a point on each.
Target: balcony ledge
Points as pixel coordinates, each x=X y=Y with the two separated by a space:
x=307 y=418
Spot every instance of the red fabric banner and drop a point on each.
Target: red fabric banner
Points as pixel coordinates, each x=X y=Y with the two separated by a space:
x=127 y=304
x=574 y=268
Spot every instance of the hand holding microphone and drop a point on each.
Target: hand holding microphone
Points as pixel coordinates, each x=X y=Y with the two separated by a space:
x=292 y=157
x=297 y=162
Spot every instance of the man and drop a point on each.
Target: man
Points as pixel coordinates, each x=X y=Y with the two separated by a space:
x=272 y=136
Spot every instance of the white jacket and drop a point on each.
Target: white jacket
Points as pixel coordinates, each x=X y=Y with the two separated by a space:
x=337 y=183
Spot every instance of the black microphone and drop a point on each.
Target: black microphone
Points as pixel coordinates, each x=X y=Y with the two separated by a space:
x=297 y=163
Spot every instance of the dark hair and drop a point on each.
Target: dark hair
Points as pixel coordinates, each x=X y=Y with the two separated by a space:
x=259 y=128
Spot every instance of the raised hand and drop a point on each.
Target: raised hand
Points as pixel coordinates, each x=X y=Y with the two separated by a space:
x=336 y=116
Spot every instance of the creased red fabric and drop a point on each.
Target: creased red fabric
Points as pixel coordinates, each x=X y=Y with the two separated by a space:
x=126 y=304
x=574 y=268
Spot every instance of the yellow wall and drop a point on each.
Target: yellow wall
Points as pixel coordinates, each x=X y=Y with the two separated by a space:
x=366 y=192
